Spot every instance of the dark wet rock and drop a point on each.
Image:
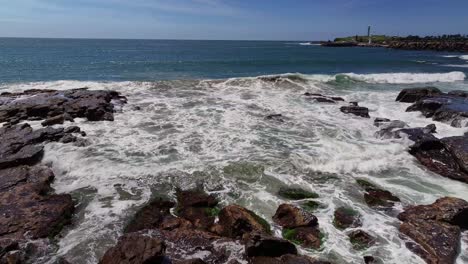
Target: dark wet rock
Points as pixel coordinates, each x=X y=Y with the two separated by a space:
x=346 y=218
x=395 y=129
x=135 y=248
x=156 y=215
x=275 y=117
x=447 y=157
x=197 y=207
x=376 y=197
x=289 y=216
x=412 y=95
x=296 y=193
x=361 y=240
x=72 y=129
x=356 y=110
x=323 y=98
x=46 y=104
x=260 y=245
x=308 y=236
x=434 y=241
x=444 y=108
x=236 y=221
x=287 y=259
x=17 y=146
x=372 y=260
x=448 y=209
x=354 y=103
x=379 y=121
x=55 y=120
x=459 y=93
x=26 y=208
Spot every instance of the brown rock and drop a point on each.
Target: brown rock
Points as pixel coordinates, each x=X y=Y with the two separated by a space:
x=236 y=221
x=289 y=216
x=361 y=240
x=196 y=206
x=136 y=248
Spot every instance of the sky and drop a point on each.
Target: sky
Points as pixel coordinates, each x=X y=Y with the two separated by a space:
x=229 y=19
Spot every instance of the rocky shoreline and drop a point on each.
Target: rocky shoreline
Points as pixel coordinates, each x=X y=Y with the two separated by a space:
x=192 y=226
x=447 y=46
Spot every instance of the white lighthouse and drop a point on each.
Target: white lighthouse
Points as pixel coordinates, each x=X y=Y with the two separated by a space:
x=369 y=34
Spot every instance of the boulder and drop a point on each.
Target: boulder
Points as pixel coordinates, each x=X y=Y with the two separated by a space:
x=412 y=95
x=135 y=248
x=55 y=120
x=444 y=108
x=347 y=218
x=307 y=236
x=356 y=110
x=289 y=216
x=236 y=221
x=275 y=117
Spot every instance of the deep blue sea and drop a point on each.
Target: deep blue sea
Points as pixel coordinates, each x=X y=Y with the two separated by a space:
x=196 y=116
x=24 y=60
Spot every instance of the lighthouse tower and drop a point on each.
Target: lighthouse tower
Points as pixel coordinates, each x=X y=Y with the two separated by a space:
x=369 y=34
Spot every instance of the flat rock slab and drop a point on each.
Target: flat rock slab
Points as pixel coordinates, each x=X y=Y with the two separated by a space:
x=27 y=208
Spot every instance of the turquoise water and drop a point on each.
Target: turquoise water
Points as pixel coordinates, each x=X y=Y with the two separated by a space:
x=149 y=60
x=196 y=115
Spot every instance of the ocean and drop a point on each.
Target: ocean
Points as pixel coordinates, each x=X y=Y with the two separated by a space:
x=196 y=116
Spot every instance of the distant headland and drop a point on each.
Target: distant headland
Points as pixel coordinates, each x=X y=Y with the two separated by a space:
x=454 y=43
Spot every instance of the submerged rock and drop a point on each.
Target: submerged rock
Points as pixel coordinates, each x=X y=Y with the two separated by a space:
x=346 y=218
x=356 y=110
x=361 y=240
x=412 y=95
x=376 y=197
x=197 y=207
x=260 y=245
x=323 y=98
x=275 y=117
x=435 y=229
x=296 y=193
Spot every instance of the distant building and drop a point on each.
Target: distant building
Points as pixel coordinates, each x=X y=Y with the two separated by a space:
x=369 y=34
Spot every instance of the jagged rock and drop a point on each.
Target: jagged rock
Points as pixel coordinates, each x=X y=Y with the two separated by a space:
x=135 y=248
x=412 y=95
x=346 y=218
x=17 y=146
x=236 y=221
x=415 y=134
x=260 y=245
x=356 y=110
x=43 y=104
x=323 y=98
x=296 y=193
x=447 y=157
x=197 y=207
x=379 y=121
x=376 y=197
x=361 y=240
x=289 y=216
x=444 y=108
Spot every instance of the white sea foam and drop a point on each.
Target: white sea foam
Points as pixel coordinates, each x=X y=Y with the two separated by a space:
x=464 y=57
x=408 y=78
x=189 y=131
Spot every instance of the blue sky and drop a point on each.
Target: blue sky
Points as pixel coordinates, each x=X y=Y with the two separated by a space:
x=229 y=19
